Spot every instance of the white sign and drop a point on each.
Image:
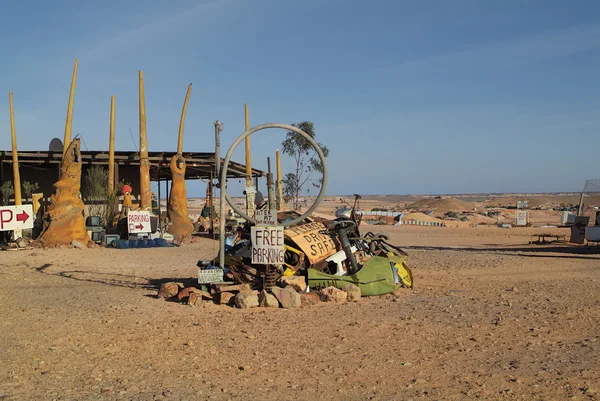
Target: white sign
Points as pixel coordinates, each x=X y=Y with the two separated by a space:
x=265 y=217
x=16 y=217
x=267 y=245
x=521 y=217
x=138 y=221
x=210 y=276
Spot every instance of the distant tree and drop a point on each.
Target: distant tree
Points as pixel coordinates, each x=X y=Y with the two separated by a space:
x=306 y=161
x=7 y=190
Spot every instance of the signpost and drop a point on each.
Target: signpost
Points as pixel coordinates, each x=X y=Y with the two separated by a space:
x=206 y=276
x=521 y=217
x=138 y=222
x=267 y=245
x=265 y=217
x=16 y=217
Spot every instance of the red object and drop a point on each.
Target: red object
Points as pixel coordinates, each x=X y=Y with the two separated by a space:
x=126 y=188
x=23 y=216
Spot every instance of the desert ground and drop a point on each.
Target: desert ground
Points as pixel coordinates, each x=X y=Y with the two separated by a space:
x=490 y=317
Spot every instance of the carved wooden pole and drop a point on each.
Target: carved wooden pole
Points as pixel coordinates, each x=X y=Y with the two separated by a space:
x=15 y=154
x=69 y=122
x=181 y=226
x=250 y=190
x=182 y=120
x=145 y=194
x=111 y=148
x=279 y=185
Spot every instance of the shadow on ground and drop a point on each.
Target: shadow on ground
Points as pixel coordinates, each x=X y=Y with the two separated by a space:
x=114 y=279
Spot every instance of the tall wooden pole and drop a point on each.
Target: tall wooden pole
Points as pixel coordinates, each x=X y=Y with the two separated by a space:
x=15 y=154
x=279 y=185
x=250 y=190
x=182 y=120
x=69 y=122
x=111 y=147
x=145 y=195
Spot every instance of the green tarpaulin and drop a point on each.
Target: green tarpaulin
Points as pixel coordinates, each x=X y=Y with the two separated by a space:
x=376 y=277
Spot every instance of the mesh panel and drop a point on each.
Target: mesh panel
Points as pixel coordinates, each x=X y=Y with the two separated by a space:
x=592 y=186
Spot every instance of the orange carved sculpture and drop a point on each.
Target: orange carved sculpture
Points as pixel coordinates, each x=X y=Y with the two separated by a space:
x=181 y=226
x=64 y=221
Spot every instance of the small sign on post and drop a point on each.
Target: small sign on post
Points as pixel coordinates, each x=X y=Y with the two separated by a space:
x=16 y=217
x=207 y=276
x=521 y=217
x=265 y=217
x=138 y=221
x=267 y=245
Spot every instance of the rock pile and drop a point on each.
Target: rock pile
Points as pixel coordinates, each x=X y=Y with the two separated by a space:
x=290 y=292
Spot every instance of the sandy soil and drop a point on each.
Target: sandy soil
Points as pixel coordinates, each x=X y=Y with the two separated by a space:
x=491 y=317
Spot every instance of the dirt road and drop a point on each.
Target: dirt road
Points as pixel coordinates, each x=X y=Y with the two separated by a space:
x=491 y=317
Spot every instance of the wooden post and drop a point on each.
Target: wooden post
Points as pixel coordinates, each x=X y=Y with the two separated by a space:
x=69 y=122
x=15 y=154
x=250 y=190
x=145 y=195
x=182 y=120
x=111 y=148
x=279 y=181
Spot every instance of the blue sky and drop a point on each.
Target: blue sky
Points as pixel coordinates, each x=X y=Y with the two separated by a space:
x=410 y=96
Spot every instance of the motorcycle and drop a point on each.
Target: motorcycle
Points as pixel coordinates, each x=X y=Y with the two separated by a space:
x=358 y=248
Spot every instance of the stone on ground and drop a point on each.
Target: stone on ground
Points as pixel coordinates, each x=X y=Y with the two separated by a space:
x=287 y=297
x=333 y=294
x=354 y=292
x=267 y=300
x=245 y=300
x=168 y=290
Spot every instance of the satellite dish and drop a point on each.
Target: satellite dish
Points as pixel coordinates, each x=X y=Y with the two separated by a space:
x=56 y=145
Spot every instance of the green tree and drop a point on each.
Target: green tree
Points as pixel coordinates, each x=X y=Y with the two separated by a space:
x=29 y=188
x=7 y=190
x=306 y=161
x=94 y=191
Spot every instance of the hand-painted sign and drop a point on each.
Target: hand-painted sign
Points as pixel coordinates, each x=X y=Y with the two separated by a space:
x=313 y=240
x=138 y=221
x=16 y=217
x=206 y=276
x=267 y=245
x=265 y=217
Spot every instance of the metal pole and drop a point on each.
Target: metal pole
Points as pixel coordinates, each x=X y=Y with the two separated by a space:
x=218 y=127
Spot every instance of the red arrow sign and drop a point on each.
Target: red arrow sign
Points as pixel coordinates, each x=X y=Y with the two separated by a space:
x=139 y=226
x=16 y=217
x=23 y=216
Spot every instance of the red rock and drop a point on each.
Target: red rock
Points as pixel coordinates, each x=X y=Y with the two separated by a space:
x=224 y=298
x=310 y=298
x=194 y=299
x=168 y=290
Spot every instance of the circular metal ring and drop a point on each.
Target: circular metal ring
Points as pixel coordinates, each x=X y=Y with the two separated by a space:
x=280 y=126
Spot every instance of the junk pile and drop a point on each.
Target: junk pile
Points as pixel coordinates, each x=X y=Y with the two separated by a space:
x=321 y=260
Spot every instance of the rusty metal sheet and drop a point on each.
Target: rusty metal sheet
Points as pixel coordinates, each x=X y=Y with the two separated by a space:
x=313 y=240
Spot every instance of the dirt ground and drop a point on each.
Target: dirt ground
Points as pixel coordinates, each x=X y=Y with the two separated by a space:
x=491 y=317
